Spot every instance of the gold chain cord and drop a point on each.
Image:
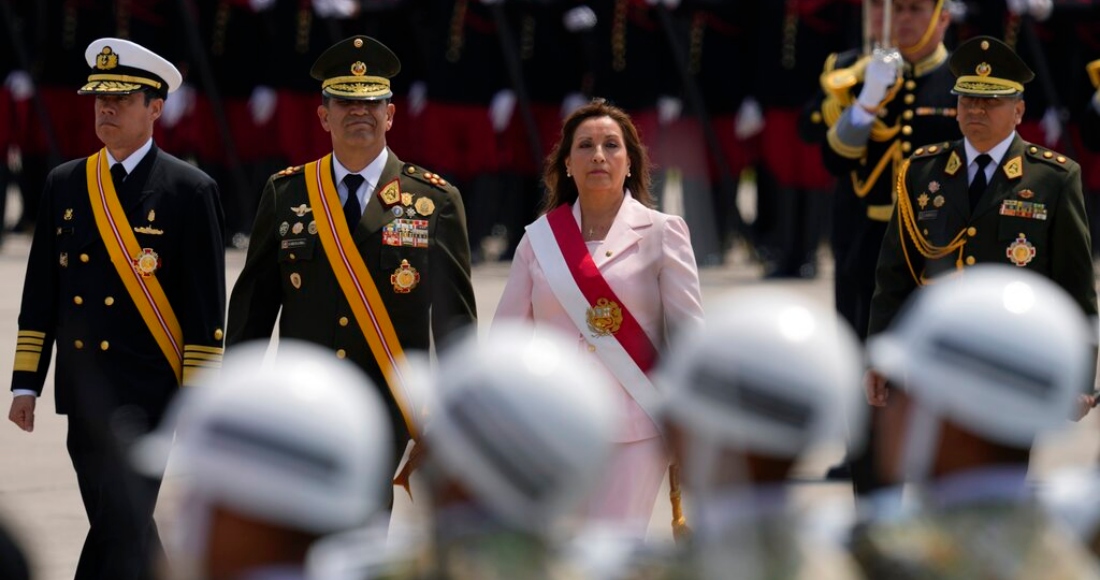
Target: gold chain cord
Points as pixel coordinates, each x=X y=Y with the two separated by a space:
x=926 y=248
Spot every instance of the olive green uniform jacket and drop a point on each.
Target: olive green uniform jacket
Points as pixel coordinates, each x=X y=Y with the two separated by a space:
x=287 y=270
x=1032 y=216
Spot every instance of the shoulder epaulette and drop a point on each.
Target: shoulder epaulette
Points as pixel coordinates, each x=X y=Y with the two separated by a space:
x=421 y=174
x=1056 y=159
x=931 y=150
x=290 y=171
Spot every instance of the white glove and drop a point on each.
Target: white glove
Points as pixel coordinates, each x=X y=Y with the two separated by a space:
x=418 y=97
x=668 y=109
x=572 y=102
x=20 y=85
x=500 y=109
x=178 y=105
x=261 y=105
x=336 y=8
x=260 y=5
x=579 y=19
x=881 y=74
x=749 y=120
x=1052 y=127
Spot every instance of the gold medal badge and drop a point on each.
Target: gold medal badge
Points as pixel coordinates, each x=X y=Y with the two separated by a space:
x=68 y=215
x=938 y=201
x=406 y=198
x=301 y=210
x=1020 y=252
x=146 y=263
x=297 y=228
x=922 y=200
x=425 y=206
x=296 y=280
x=605 y=318
x=404 y=278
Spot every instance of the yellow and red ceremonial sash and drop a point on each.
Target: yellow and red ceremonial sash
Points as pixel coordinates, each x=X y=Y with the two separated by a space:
x=357 y=284
x=578 y=285
x=144 y=289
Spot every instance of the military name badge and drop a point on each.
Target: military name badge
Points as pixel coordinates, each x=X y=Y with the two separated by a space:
x=938 y=201
x=146 y=262
x=1020 y=251
x=404 y=278
x=604 y=318
x=284 y=228
x=296 y=280
x=425 y=206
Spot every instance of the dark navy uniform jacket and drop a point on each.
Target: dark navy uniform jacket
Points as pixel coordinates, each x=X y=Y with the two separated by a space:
x=73 y=296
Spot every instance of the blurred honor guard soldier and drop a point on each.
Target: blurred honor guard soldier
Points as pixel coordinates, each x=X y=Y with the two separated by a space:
x=363 y=253
x=961 y=423
x=127 y=274
x=991 y=197
x=876 y=118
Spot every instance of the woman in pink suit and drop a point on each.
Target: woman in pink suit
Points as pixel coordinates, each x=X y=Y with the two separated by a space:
x=620 y=277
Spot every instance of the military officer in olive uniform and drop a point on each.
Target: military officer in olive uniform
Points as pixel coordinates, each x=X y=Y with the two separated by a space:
x=990 y=197
x=126 y=275
x=363 y=253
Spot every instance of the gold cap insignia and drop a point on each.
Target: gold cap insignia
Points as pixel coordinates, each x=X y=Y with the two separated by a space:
x=983 y=69
x=605 y=318
x=107 y=59
x=358 y=68
x=425 y=206
x=404 y=278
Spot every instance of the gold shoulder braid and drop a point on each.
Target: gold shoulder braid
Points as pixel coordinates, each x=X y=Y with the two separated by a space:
x=926 y=248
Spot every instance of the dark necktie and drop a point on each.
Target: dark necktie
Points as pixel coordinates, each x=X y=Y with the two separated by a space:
x=978 y=185
x=118 y=173
x=352 y=210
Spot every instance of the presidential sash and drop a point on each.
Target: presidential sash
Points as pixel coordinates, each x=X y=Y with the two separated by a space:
x=595 y=309
x=134 y=264
x=356 y=283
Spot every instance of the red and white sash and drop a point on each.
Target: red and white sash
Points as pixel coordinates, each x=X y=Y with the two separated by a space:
x=595 y=309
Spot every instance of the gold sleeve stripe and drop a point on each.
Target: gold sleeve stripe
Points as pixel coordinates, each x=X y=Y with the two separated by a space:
x=31 y=334
x=27 y=361
x=843 y=149
x=189 y=348
x=22 y=348
x=201 y=356
x=30 y=342
x=203 y=364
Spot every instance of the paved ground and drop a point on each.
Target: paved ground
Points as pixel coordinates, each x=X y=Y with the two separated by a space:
x=39 y=498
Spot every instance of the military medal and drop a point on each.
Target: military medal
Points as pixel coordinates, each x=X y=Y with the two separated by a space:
x=301 y=210
x=404 y=278
x=933 y=186
x=1026 y=194
x=1020 y=251
x=312 y=227
x=425 y=206
x=284 y=228
x=938 y=201
x=922 y=200
x=64 y=260
x=296 y=280
x=406 y=198
x=398 y=211
x=68 y=214
x=146 y=262
x=298 y=227
x=605 y=318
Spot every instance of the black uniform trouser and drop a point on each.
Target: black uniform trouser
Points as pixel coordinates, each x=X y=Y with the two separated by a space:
x=122 y=541
x=854 y=287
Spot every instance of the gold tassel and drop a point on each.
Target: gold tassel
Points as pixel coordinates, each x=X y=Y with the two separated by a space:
x=680 y=530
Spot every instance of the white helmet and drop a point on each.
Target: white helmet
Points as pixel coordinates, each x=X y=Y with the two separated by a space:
x=523 y=422
x=772 y=372
x=302 y=441
x=1001 y=350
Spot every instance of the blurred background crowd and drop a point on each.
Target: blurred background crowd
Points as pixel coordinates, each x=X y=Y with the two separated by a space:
x=715 y=86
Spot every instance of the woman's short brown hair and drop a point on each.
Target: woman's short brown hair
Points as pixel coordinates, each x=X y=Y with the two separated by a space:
x=561 y=189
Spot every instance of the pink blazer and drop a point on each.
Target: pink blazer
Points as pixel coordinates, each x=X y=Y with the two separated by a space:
x=647 y=260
